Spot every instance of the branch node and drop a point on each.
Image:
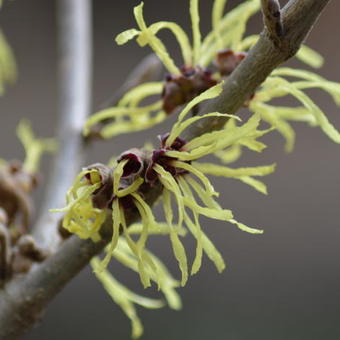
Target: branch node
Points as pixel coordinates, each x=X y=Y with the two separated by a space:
x=272 y=19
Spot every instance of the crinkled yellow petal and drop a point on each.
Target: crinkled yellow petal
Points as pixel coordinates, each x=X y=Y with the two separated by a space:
x=330 y=87
x=124 y=297
x=247 y=229
x=126 y=119
x=223 y=171
x=166 y=282
x=208 y=94
x=148 y=219
x=82 y=194
x=255 y=183
x=216 y=214
x=126 y=36
x=268 y=115
x=230 y=155
x=296 y=114
x=219 y=140
x=209 y=248
x=202 y=240
x=160 y=228
x=111 y=112
x=133 y=97
x=310 y=57
x=170 y=184
x=117 y=175
x=115 y=234
x=181 y=37
x=296 y=73
x=177 y=245
x=142 y=261
x=202 y=194
x=320 y=117
x=231 y=29
x=217 y=14
x=183 y=125
x=253 y=144
x=196 y=32
x=143 y=121
x=147 y=37
x=199 y=248
x=198 y=234
x=199 y=152
x=131 y=188
x=80 y=217
x=312 y=81
x=208 y=186
x=180 y=255
x=80 y=182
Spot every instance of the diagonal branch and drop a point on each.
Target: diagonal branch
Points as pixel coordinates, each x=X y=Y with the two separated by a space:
x=298 y=18
x=29 y=296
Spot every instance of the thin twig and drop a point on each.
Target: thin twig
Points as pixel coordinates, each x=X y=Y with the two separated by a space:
x=75 y=48
x=29 y=296
x=149 y=69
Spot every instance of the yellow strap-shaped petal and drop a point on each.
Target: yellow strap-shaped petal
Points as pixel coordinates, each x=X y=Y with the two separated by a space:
x=181 y=37
x=217 y=14
x=196 y=33
x=147 y=37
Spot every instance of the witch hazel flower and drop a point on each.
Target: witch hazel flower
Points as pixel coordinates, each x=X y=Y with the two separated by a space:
x=99 y=190
x=103 y=197
x=184 y=179
x=205 y=62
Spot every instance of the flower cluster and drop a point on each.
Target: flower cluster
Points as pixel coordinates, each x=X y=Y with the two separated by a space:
x=205 y=63
x=175 y=168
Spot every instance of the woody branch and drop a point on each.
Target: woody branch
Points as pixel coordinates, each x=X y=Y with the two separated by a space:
x=26 y=298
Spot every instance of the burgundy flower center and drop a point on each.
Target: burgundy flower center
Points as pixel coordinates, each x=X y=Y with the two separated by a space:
x=134 y=163
x=227 y=61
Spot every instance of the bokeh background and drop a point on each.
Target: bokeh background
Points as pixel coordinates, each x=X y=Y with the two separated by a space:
x=281 y=285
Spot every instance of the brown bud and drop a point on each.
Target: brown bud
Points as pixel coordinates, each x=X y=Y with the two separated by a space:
x=180 y=89
x=28 y=248
x=227 y=61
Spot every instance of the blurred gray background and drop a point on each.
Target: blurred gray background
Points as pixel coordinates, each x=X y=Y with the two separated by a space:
x=281 y=285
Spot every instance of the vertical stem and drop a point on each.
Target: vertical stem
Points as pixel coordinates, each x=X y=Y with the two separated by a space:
x=75 y=77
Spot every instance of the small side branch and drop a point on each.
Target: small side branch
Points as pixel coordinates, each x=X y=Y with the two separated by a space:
x=75 y=48
x=272 y=18
x=149 y=69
